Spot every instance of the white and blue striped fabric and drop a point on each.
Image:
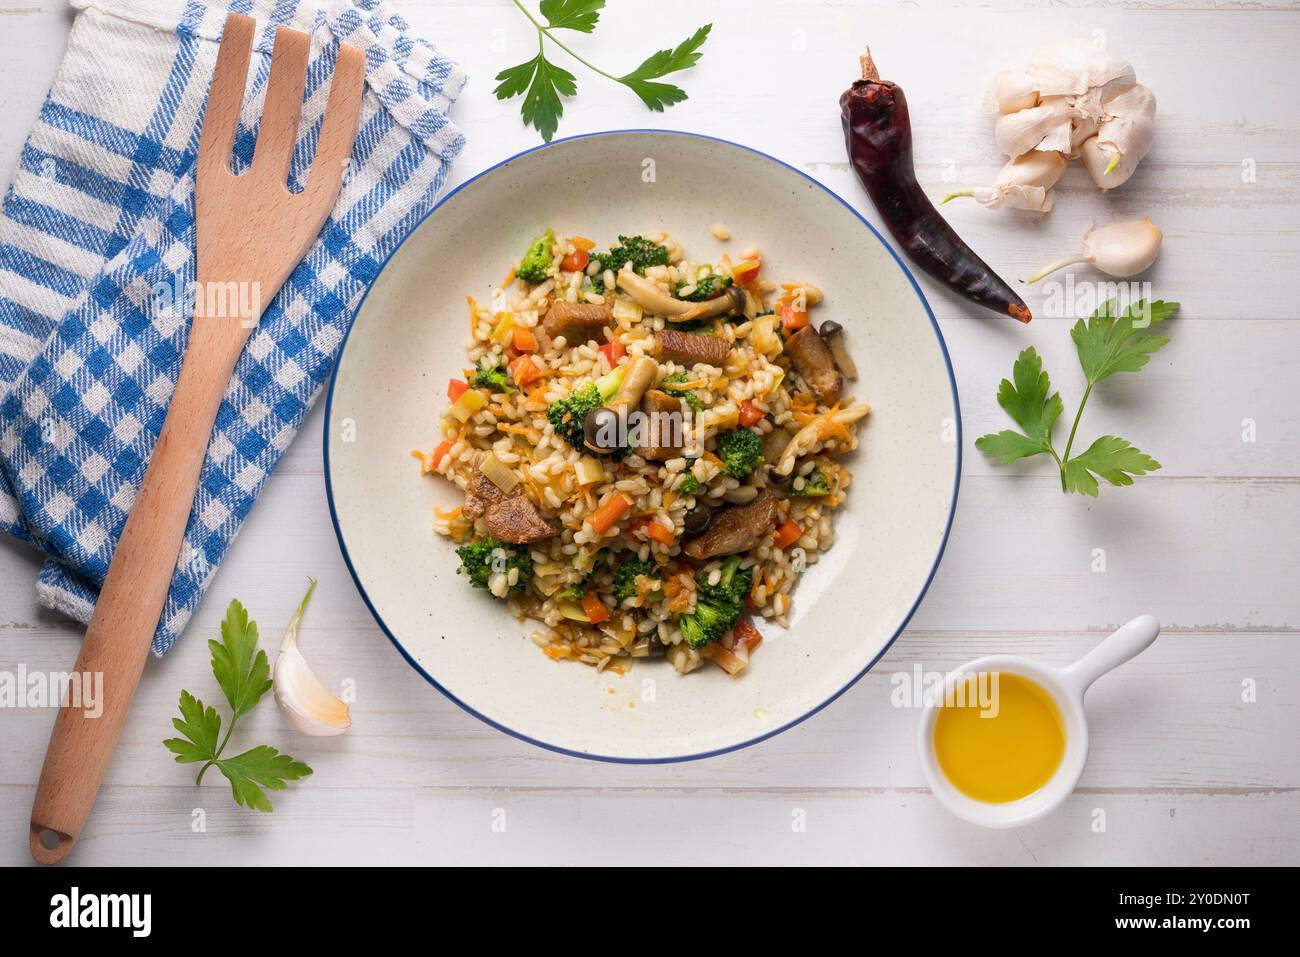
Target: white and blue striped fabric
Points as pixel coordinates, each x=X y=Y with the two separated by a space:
x=100 y=217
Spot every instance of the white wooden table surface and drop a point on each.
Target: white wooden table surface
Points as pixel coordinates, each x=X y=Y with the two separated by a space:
x=1184 y=769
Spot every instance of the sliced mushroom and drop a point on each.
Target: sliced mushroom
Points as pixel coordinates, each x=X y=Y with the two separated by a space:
x=649 y=296
x=730 y=303
x=658 y=303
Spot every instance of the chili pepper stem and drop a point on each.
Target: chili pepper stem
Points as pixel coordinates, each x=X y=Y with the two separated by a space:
x=957 y=192
x=869 y=71
x=1059 y=264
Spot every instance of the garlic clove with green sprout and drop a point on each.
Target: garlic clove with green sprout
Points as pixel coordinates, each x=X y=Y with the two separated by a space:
x=1123 y=138
x=1118 y=249
x=1024 y=183
x=299 y=693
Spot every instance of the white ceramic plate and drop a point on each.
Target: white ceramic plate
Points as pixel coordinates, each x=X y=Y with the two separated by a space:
x=408 y=340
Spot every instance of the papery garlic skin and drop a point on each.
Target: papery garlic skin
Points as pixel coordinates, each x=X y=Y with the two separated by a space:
x=1121 y=249
x=1014 y=92
x=1123 y=138
x=1018 y=133
x=1023 y=183
x=299 y=694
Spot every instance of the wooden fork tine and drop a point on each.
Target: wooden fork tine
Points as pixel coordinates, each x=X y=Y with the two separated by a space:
x=226 y=95
x=334 y=145
x=273 y=154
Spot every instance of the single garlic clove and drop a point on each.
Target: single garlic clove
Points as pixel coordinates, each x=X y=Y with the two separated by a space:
x=1014 y=92
x=1118 y=249
x=299 y=693
x=1123 y=249
x=1023 y=183
x=1123 y=139
x=1020 y=132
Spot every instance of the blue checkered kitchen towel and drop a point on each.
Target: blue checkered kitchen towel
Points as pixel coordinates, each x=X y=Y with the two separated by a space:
x=100 y=217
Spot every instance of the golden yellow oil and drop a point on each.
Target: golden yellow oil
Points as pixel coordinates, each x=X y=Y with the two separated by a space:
x=1004 y=753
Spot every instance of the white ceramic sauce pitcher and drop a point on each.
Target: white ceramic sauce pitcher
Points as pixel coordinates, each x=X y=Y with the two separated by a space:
x=1067 y=687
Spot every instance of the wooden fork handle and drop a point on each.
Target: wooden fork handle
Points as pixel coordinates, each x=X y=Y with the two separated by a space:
x=131 y=601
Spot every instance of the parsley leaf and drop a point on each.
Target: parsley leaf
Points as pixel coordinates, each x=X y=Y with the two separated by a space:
x=662 y=62
x=1111 y=458
x=242 y=671
x=240 y=666
x=1107 y=342
x=200 y=726
x=1033 y=406
x=261 y=767
x=543 y=85
x=580 y=15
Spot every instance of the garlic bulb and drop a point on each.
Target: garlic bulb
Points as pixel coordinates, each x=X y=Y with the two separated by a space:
x=301 y=697
x=1024 y=183
x=1077 y=100
x=1119 y=249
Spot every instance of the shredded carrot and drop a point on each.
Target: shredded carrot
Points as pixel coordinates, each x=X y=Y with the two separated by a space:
x=582 y=242
x=557 y=652
x=454 y=513
x=510 y=277
x=473 y=313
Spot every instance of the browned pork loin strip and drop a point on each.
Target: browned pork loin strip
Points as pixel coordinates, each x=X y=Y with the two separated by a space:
x=813 y=360
x=689 y=348
x=578 y=322
x=518 y=521
x=736 y=529
x=662 y=427
x=482 y=494
x=509 y=516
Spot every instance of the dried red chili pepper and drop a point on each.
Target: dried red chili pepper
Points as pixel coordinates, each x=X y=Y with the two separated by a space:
x=878 y=134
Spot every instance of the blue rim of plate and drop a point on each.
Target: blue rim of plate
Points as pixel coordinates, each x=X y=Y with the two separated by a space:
x=613 y=759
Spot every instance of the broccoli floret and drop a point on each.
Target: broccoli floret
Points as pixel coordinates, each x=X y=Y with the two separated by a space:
x=537 y=261
x=627 y=574
x=566 y=415
x=668 y=386
x=740 y=451
x=815 y=485
x=732 y=587
x=480 y=559
x=690 y=484
x=490 y=374
x=708 y=287
x=637 y=250
x=717 y=607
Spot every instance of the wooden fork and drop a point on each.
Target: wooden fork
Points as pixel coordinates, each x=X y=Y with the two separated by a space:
x=249 y=229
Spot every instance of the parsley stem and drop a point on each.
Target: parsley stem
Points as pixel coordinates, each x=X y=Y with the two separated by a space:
x=544 y=31
x=229 y=731
x=1069 y=443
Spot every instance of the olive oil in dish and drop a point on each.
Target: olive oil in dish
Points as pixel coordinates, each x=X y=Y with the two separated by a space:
x=1004 y=752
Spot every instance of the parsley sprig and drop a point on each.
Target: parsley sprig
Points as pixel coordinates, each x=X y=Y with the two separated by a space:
x=1107 y=342
x=543 y=84
x=242 y=670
